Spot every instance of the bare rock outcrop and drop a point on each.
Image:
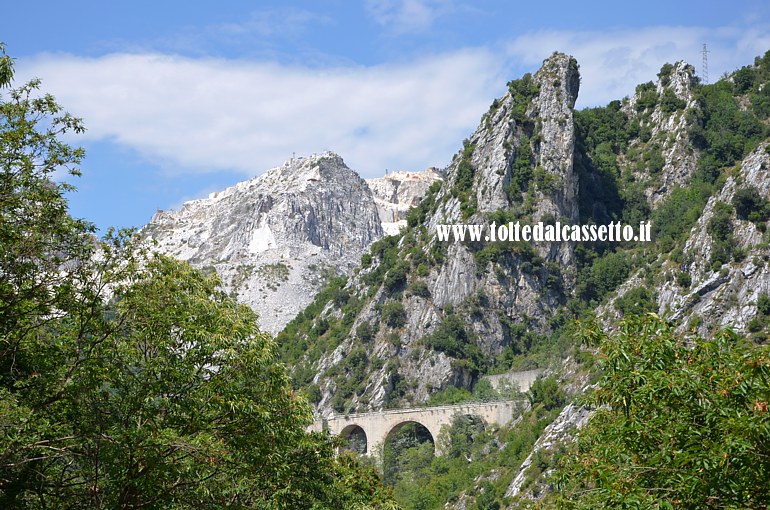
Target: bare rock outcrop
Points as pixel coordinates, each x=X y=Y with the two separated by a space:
x=534 y=121
x=275 y=239
x=397 y=192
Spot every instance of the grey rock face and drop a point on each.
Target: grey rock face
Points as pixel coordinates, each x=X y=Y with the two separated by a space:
x=724 y=296
x=503 y=292
x=559 y=82
x=276 y=238
x=559 y=432
x=498 y=141
x=498 y=137
x=671 y=129
x=398 y=192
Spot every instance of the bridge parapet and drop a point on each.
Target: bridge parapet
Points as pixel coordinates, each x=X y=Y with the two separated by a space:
x=379 y=425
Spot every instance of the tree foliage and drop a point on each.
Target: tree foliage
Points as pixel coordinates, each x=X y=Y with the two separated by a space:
x=676 y=424
x=406 y=452
x=130 y=380
x=452 y=338
x=546 y=391
x=750 y=205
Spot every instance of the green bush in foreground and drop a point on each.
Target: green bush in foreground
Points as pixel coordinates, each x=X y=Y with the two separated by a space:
x=676 y=425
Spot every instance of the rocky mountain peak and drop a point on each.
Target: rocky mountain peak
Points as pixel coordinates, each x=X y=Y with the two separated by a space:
x=298 y=174
x=397 y=192
x=529 y=127
x=559 y=82
x=276 y=238
x=681 y=80
x=423 y=320
x=660 y=110
x=559 y=75
x=414 y=292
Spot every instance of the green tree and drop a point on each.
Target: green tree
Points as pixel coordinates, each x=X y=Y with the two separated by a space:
x=129 y=380
x=676 y=423
x=610 y=271
x=42 y=280
x=459 y=437
x=183 y=402
x=406 y=453
x=639 y=300
x=750 y=205
x=546 y=391
x=669 y=103
x=763 y=304
x=394 y=314
x=40 y=241
x=720 y=228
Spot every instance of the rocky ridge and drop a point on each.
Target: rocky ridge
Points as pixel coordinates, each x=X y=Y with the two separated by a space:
x=720 y=278
x=274 y=240
x=531 y=123
x=724 y=296
x=668 y=126
x=397 y=192
x=418 y=317
x=716 y=295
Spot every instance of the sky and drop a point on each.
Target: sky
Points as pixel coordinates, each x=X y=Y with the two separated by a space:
x=181 y=99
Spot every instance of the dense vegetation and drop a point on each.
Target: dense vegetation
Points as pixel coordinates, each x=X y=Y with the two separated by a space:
x=676 y=424
x=618 y=157
x=473 y=450
x=129 y=380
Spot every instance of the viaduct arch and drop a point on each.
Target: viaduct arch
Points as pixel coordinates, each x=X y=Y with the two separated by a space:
x=378 y=425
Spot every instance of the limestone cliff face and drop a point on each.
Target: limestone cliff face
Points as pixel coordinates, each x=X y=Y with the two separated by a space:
x=713 y=295
x=443 y=281
x=275 y=239
x=544 y=136
x=723 y=296
x=396 y=193
x=669 y=128
x=716 y=275
x=418 y=315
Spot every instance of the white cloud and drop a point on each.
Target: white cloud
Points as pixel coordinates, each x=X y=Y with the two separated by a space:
x=208 y=114
x=613 y=62
x=281 y=22
x=403 y=16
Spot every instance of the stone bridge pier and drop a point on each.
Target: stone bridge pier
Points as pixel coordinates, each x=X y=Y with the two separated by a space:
x=378 y=426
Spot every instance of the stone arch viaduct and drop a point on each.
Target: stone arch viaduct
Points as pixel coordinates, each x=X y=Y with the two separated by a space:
x=379 y=425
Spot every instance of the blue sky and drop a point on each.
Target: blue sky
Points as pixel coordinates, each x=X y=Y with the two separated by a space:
x=181 y=99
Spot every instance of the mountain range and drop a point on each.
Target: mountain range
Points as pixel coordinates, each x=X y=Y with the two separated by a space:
x=372 y=312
